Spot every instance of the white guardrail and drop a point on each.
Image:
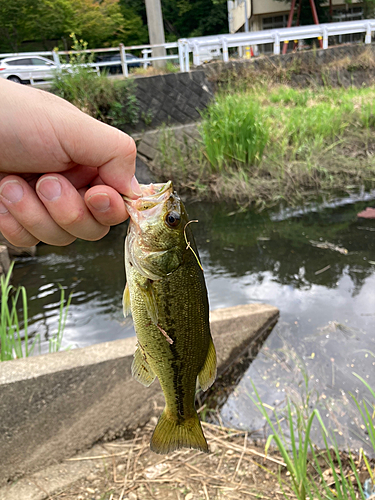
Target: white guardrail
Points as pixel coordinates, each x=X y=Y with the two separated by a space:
x=253 y=38
x=221 y=44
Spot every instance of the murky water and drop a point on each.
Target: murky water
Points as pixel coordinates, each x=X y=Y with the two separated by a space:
x=326 y=298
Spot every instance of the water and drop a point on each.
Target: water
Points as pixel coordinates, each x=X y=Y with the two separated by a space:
x=326 y=327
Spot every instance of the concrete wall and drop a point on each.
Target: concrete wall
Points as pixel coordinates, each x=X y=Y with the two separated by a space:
x=55 y=405
x=174 y=99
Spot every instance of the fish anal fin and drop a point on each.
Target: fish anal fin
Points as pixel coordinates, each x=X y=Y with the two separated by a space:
x=207 y=374
x=141 y=370
x=126 y=306
x=171 y=434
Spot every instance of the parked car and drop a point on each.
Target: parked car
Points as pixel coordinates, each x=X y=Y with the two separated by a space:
x=115 y=68
x=21 y=69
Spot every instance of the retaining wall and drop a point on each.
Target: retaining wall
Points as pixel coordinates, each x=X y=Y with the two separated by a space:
x=171 y=99
x=54 y=405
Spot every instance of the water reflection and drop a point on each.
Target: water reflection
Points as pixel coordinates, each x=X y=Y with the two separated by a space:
x=326 y=328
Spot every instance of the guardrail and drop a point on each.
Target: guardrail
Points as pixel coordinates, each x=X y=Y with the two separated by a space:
x=56 y=55
x=219 y=43
x=275 y=37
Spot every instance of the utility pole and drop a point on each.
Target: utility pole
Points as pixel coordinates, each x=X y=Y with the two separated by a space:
x=156 y=30
x=246 y=17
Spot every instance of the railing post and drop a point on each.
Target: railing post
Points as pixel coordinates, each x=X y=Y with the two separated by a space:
x=124 y=65
x=276 y=44
x=325 y=38
x=187 y=60
x=196 y=58
x=145 y=57
x=368 y=33
x=225 y=50
x=56 y=58
x=181 y=56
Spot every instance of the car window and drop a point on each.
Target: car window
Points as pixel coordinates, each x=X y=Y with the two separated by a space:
x=19 y=62
x=40 y=62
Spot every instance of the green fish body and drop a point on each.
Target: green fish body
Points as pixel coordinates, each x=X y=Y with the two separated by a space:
x=167 y=296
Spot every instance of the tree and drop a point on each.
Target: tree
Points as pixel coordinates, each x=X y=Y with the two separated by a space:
x=15 y=23
x=185 y=18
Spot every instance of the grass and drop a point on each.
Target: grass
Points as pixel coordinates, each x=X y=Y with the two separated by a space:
x=272 y=143
x=14 y=335
x=319 y=474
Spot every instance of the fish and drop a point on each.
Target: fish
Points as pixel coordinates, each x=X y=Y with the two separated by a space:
x=166 y=294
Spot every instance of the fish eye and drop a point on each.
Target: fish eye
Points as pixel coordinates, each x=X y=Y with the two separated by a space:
x=173 y=219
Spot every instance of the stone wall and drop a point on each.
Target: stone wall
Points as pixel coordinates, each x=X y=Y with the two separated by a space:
x=340 y=66
x=173 y=99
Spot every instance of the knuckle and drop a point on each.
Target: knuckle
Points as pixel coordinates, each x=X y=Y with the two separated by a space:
x=19 y=236
x=72 y=218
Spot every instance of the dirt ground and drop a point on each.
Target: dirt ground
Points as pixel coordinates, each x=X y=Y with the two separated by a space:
x=233 y=469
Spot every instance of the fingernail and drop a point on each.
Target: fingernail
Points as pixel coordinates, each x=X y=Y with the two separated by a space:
x=135 y=186
x=12 y=191
x=3 y=208
x=99 y=201
x=49 y=187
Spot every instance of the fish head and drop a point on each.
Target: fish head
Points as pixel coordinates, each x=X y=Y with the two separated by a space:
x=155 y=243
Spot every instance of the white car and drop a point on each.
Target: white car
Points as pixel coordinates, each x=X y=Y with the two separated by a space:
x=24 y=69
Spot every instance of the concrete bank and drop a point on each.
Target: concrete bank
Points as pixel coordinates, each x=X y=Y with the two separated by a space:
x=55 y=405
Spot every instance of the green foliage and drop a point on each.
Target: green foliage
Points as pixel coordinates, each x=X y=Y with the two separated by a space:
x=308 y=467
x=48 y=23
x=11 y=325
x=184 y=18
x=111 y=101
x=233 y=132
x=270 y=143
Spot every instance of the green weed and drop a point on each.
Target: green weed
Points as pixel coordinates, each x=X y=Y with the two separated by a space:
x=12 y=326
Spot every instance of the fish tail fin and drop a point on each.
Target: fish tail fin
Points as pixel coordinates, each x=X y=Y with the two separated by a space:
x=170 y=435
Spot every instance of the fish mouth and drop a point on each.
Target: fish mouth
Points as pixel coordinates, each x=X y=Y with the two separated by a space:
x=152 y=192
x=150 y=202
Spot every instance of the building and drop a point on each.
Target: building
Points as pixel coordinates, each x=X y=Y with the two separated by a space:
x=272 y=14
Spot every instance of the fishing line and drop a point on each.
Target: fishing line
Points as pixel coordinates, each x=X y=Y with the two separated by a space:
x=188 y=243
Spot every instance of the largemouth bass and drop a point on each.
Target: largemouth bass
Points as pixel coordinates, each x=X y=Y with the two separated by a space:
x=167 y=296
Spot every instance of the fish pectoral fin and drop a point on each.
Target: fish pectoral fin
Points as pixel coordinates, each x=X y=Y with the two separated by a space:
x=150 y=302
x=141 y=370
x=126 y=306
x=207 y=374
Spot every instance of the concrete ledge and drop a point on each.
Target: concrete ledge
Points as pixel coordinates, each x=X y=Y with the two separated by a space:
x=55 y=405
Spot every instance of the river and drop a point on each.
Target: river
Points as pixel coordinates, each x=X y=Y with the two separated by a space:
x=316 y=266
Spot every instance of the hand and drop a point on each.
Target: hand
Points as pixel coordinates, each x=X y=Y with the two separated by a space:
x=61 y=171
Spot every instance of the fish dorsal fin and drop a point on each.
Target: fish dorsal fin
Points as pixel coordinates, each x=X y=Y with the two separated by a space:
x=207 y=374
x=141 y=370
x=126 y=306
x=150 y=301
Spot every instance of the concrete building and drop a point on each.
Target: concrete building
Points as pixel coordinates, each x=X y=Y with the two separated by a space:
x=271 y=14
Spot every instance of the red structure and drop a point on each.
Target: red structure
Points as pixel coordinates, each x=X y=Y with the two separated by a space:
x=290 y=18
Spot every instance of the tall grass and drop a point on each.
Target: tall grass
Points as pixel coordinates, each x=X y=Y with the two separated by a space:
x=14 y=334
x=234 y=132
x=270 y=143
x=307 y=466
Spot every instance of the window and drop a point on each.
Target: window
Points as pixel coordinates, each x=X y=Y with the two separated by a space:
x=19 y=62
x=40 y=62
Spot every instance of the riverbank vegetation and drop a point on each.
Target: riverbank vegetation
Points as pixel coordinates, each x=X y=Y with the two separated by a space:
x=271 y=142
x=15 y=340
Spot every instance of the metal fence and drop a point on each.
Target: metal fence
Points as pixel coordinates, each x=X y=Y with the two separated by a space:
x=202 y=48
x=276 y=37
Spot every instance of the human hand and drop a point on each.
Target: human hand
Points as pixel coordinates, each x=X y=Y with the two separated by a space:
x=61 y=171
